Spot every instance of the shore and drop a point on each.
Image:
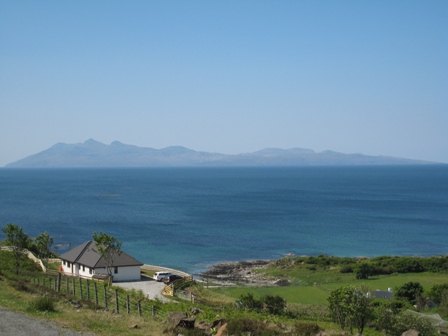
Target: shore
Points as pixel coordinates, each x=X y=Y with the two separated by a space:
x=240 y=272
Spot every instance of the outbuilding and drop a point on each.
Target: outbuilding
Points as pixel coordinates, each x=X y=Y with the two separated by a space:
x=84 y=261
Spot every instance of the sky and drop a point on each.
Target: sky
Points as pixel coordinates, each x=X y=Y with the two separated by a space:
x=229 y=76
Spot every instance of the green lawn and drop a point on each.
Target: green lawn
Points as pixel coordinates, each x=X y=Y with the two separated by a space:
x=318 y=292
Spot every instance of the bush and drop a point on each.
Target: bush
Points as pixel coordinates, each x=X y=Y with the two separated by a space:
x=346 y=269
x=244 y=326
x=42 y=303
x=307 y=329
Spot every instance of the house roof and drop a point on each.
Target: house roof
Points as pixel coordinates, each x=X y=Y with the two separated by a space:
x=381 y=294
x=86 y=254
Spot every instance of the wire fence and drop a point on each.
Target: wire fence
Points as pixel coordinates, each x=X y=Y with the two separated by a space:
x=104 y=296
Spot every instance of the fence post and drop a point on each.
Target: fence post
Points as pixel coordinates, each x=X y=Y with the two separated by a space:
x=105 y=298
x=139 y=307
x=88 y=289
x=59 y=282
x=153 y=311
x=80 y=288
x=74 y=286
x=95 y=288
x=66 y=285
x=128 y=305
x=117 y=306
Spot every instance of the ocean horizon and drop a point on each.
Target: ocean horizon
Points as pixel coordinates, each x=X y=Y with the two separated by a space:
x=189 y=218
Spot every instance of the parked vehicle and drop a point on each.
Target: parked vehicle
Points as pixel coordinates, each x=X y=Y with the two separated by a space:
x=158 y=276
x=171 y=278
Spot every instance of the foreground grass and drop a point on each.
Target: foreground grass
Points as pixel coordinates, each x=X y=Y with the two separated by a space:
x=84 y=319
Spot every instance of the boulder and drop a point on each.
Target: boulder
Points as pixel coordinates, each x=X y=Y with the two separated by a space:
x=174 y=318
x=411 y=332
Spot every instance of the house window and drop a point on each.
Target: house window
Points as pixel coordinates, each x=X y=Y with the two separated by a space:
x=68 y=264
x=83 y=268
x=115 y=270
x=90 y=270
x=63 y=262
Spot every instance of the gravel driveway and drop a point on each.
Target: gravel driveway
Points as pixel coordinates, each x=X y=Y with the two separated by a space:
x=17 y=324
x=151 y=288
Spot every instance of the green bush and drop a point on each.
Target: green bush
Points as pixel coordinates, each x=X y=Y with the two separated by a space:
x=244 y=326
x=306 y=329
x=42 y=303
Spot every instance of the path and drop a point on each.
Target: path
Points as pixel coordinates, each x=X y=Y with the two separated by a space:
x=17 y=324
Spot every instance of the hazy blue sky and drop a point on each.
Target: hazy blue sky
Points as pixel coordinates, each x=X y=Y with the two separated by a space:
x=226 y=76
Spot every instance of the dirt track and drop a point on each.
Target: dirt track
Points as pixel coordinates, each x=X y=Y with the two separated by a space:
x=17 y=324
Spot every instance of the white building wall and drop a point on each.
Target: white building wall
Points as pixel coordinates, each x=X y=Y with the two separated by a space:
x=129 y=273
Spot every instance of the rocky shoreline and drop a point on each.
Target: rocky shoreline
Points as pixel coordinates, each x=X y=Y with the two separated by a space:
x=241 y=272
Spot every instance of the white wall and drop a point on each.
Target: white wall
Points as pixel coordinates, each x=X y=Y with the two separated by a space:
x=129 y=273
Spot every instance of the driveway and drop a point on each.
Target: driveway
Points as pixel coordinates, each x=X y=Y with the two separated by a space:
x=151 y=288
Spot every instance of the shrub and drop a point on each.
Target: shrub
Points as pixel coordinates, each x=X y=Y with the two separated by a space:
x=248 y=326
x=346 y=269
x=42 y=303
x=306 y=329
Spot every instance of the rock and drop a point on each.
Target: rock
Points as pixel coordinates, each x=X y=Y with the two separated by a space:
x=195 y=311
x=134 y=326
x=222 y=331
x=411 y=332
x=206 y=327
x=283 y=283
x=218 y=323
x=187 y=323
x=174 y=318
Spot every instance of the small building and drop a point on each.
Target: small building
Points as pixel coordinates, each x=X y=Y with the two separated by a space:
x=382 y=294
x=84 y=261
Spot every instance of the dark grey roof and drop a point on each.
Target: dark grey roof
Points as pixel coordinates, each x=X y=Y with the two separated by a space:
x=381 y=294
x=85 y=254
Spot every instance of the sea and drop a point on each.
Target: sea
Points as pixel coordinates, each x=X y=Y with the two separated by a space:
x=190 y=218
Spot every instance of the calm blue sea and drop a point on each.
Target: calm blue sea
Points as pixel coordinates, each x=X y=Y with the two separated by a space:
x=188 y=218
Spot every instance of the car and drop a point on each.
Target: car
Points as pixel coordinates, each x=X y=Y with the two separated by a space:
x=159 y=276
x=171 y=278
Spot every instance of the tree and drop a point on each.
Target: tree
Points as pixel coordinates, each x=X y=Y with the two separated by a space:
x=363 y=271
x=18 y=241
x=43 y=243
x=109 y=248
x=437 y=292
x=350 y=307
x=409 y=292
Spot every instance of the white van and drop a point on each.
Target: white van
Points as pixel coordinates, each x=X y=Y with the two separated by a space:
x=158 y=276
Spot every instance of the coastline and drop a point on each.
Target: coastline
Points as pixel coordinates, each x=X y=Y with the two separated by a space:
x=241 y=272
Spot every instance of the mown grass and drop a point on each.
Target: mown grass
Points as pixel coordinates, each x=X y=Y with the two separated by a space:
x=313 y=287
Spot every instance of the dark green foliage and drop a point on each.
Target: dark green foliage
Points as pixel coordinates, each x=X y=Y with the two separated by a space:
x=306 y=328
x=250 y=303
x=395 y=324
x=275 y=305
x=363 y=271
x=271 y=304
x=347 y=269
x=437 y=292
x=409 y=292
x=42 y=303
x=17 y=241
x=350 y=307
x=243 y=326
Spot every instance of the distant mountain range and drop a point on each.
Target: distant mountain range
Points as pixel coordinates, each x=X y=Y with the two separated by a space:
x=92 y=153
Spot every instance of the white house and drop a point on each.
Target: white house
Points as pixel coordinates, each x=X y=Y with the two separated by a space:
x=84 y=261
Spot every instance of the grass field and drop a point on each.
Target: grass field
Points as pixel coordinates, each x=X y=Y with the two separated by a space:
x=317 y=286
